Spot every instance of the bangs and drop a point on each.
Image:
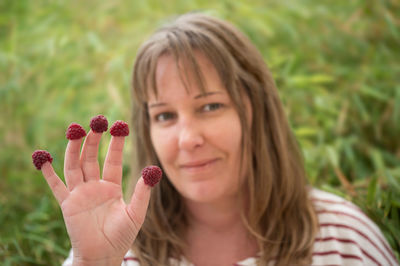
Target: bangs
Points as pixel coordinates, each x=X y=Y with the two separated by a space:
x=184 y=44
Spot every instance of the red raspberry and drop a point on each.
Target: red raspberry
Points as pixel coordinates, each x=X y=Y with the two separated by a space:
x=119 y=129
x=39 y=157
x=99 y=124
x=75 y=131
x=151 y=175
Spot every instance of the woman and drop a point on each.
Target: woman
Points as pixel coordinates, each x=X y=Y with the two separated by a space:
x=234 y=191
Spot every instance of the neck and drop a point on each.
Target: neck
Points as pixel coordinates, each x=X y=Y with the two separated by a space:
x=216 y=233
x=218 y=217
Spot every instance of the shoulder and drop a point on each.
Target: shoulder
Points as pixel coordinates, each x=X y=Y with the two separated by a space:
x=346 y=235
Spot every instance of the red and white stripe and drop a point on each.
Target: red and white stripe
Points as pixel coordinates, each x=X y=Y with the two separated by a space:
x=347 y=236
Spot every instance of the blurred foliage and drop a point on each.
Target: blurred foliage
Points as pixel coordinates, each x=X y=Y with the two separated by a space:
x=336 y=64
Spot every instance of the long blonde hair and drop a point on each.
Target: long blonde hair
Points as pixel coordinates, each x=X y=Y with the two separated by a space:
x=280 y=215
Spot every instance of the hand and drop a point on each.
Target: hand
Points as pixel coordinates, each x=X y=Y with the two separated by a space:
x=101 y=226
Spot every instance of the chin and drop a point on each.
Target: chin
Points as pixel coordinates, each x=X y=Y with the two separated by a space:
x=204 y=193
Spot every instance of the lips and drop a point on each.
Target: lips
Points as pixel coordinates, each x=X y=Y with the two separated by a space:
x=198 y=164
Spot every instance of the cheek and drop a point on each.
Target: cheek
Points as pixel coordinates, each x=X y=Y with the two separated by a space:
x=231 y=137
x=163 y=143
x=225 y=135
x=230 y=131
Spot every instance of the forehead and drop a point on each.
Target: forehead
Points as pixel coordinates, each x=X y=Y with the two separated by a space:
x=172 y=75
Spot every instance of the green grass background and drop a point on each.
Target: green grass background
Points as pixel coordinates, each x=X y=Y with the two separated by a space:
x=336 y=64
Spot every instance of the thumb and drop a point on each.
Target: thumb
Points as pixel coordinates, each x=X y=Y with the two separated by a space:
x=137 y=208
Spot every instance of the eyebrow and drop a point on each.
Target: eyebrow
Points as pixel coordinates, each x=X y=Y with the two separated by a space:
x=202 y=95
x=156 y=105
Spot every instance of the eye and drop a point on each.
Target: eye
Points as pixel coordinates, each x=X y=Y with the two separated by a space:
x=212 y=107
x=164 y=117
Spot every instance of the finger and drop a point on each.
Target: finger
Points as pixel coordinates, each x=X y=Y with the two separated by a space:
x=72 y=166
x=137 y=208
x=112 y=170
x=58 y=188
x=89 y=162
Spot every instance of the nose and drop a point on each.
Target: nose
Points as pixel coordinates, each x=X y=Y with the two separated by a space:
x=190 y=136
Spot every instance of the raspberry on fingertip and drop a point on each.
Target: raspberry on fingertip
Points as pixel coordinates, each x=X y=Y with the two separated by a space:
x=39 y=157
x=119 y=129
x=75 y=131
x=99 y=124
x=151 y=175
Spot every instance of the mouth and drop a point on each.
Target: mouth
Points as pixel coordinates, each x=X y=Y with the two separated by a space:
x=198 y=165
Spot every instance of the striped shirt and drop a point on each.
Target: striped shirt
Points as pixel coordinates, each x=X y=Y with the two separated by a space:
x=346 y=237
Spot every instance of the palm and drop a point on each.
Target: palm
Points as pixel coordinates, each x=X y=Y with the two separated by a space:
x=97 y=220
x=101 y=226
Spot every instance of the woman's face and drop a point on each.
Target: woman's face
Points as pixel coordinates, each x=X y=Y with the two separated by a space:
x=197 y=136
